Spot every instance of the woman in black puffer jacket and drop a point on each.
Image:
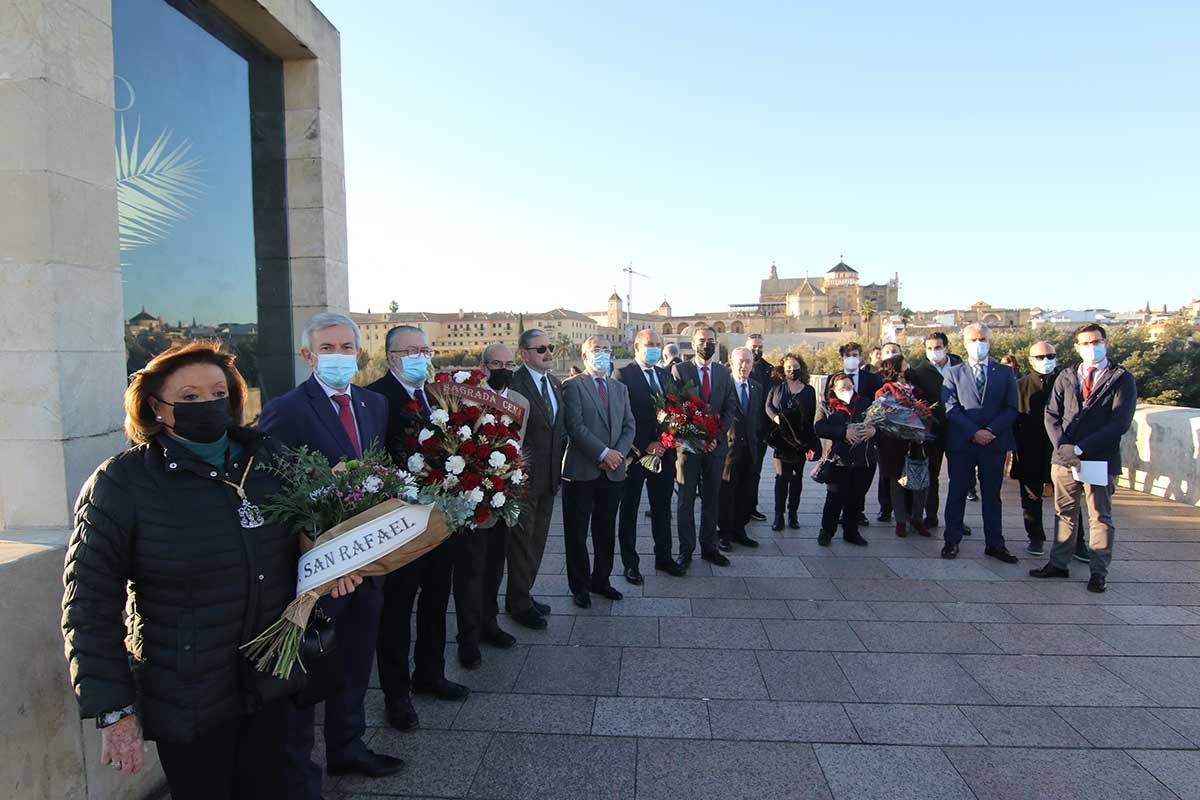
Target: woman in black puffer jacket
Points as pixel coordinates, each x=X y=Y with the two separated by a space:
x=851 y=458
x=163 y=531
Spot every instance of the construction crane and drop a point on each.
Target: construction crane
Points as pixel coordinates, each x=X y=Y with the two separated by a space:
x=629 y=271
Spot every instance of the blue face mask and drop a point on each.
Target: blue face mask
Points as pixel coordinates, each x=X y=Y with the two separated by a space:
x=415 y=369
x=1093 y=353
x=977 y=350
x=336 y=369
x=653 y=355
x=601 y=362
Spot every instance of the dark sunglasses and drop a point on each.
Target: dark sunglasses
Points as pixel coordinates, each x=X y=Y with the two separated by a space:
x=1043 y=356
x=542 y=349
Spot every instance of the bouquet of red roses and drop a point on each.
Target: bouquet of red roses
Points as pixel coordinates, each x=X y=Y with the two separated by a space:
x=468 y=450
x=684 y=421
x=901 y=415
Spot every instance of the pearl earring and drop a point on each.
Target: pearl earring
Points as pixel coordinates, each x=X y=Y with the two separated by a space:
x=159 y=419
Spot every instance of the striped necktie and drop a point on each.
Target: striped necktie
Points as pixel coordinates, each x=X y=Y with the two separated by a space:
x=980 y=379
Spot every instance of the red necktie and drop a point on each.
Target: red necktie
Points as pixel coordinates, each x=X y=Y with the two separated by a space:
x=420 y=397
x=1087 y=383
x=705 y=386
x=602 y=387
x=347 y=418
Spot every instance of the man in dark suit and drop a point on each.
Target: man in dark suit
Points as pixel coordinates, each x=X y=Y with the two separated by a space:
x=1031 y=457
x=670 y=356
x=542 y=448
x=645 y=382
x=1089 y=410
x=426 y=582
x=739 y=483
x=600 y=431
x=866 y=384
x=927 y=376
x=980 y=396
x=761 y=374
x=330 y=415
x=701 y=472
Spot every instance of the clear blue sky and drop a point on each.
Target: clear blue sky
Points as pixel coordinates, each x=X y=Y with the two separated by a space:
x=516 y=155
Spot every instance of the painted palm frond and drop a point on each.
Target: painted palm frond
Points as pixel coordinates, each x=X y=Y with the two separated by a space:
x=154 y=187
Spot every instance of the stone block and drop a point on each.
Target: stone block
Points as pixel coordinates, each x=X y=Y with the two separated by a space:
x=32 y=486
x=22 y=50
x=1148 y=640
x=887 y=723
x=652 y=607
x=499 y=672
x=669 y=672
x=1178 y=771
x=83 y=223
x=302 y=133
x=1154 y=615
x=859 y=772
x=92 y=389
x=910 y=678
x=1122 y=727
x=864 y=567
x=673 y=718
x=435 y=762
x=1002 y=774
x=820 y=635
x=25 y=217
x=690 y=770
x=301 y=84
x=32 y=407
x=792 y=589
x=305 y=182
x=831 y=609
x=739 y=634
x=892 y=590
x=1016 y=726
x=570 y=670
x=922 y=637
x=90 y=312
x=804 y=676
x=908 y=612
x=965 y=569
x=773 y=720
x=80 y=135
x=526 y=713
x=556 y=768
x=1064 y=640
x=82 y=455
x=742 y=566
x=24 y=103
x=1059 y=613
x=24 y=288
x=615 y=631
x=78 y=51
x=1030 y=680
x=1184 y=720
x=740 y=609
x=694 y=586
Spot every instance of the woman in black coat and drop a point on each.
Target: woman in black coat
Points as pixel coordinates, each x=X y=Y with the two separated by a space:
x=170 y=532
x=851 y=457
x=791 y=405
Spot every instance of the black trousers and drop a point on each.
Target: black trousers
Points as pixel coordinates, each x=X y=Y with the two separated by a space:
x=431 y=576
x=1031 y=508
x=659 y=488
x=934 y=455
x=758 y=462
x=735 y=503
x=883 y=493
x=789 y=482
x=478 y=570
x=241 y=760
x=845 y=495
x=526 y=546
x=591 y=504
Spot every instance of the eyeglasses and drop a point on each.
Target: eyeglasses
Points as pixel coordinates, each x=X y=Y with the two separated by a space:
x=493 y=364
x=412 y=351
x=1042 y=356
x=603 y=350
x=543 y=349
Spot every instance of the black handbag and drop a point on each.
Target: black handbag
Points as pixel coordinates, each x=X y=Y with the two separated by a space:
x=321 y=660
x=822 y=471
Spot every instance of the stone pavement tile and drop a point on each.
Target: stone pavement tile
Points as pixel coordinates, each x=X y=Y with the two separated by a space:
x=521 y=766
x=1021 y=726
x=792 y=589
x=908 y=612
x=961 y=569
x=616 y=631
x=652 y=607
x=1156 y=572
x=727 y=634
x=439 y=763
x=1154 y=594
x=1148 y=640
x=716 y=770
x=831 y=609
x=676 y=672
x=761 y=720
x=1178 y=770
x=1122 y=727
x=975 y=612
x=569 y=669
x=498 y=673
x=742 y=565
x=794 y=675
x=910 y=678
x=922 y=637
x=433 y=713
x=1051 y=640
x=673 y=718
x=1169 y=681
x=1155 y=615
x=1060 y=613
x=526 y=713
x=563 y=607
x=995 y=592
x=1008 y=774
x=803 y=547
x=1050 y=680
x=1169 y=551
x=694 y=586
x=889 y=723
x=862 y=772
x=879 y=547
x=1184 y=720
x=910 y=590
x=740 y=609
x=550 y=585
x=833 y=567
x=1071 y=592
x=820 y=635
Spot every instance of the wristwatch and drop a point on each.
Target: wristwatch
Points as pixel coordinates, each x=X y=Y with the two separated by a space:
x=1078 y=450
x=113 y=717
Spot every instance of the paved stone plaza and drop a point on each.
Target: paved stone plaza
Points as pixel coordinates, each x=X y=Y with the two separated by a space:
x=851 y=673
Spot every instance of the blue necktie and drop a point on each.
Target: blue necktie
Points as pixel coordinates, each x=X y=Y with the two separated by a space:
x=980 y=379
x=745 y=399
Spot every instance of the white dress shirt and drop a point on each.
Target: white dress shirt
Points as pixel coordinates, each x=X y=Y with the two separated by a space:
x=538 y=376
x=330 y=392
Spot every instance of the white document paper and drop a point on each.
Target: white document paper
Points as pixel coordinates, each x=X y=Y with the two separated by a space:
x=1093 y=472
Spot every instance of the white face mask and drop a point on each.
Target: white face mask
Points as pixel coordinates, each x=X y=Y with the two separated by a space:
x=850 y=363
x=1093 y=353
x=936 y=356
x=1043 y=366
x=977 y=350
x=845 y=395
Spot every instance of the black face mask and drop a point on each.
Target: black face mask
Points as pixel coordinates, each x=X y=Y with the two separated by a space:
x=706 y=350
x=757 y=353
x=204 y=422
x=499 y=379
x=794 y=375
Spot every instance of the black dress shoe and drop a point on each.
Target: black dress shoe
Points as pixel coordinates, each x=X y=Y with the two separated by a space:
x=950 y=551
x=973 y=496
x=469 y=657
x=634 y=576
x=758 y=516
x=608 y=591
x=542 y=608
x=401 y=715
x=1050 y=571
x=531 y=619
x=745 y=541
x=884 y=516
x=824 y=538
x=715 y=557
x=583 y=600
x=777 y=525
x=856 y=540
x=863 y=522
x=931 y=522
x=670 y=567
x=372 y=765
x=1000 y=554
x=501 y=640
x=442 y=689
x=966 y=530
x=724 y=545
x=1097 y=584
x=793 y=522
x=685 y=562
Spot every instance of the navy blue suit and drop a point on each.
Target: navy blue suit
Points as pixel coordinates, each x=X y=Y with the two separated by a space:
x=659 y=486
x=306 y=416
x=967 y=413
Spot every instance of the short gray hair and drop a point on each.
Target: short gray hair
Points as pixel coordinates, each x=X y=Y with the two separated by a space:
x=483 y=357
x=328 y=319
x=644 y=335
x=977 y=326
x=671 y=350
x=589 y=344
x=528 y=336
x=745 y=352
x=390 y=339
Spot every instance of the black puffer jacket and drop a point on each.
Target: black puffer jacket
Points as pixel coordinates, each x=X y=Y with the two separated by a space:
x=199 y=585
